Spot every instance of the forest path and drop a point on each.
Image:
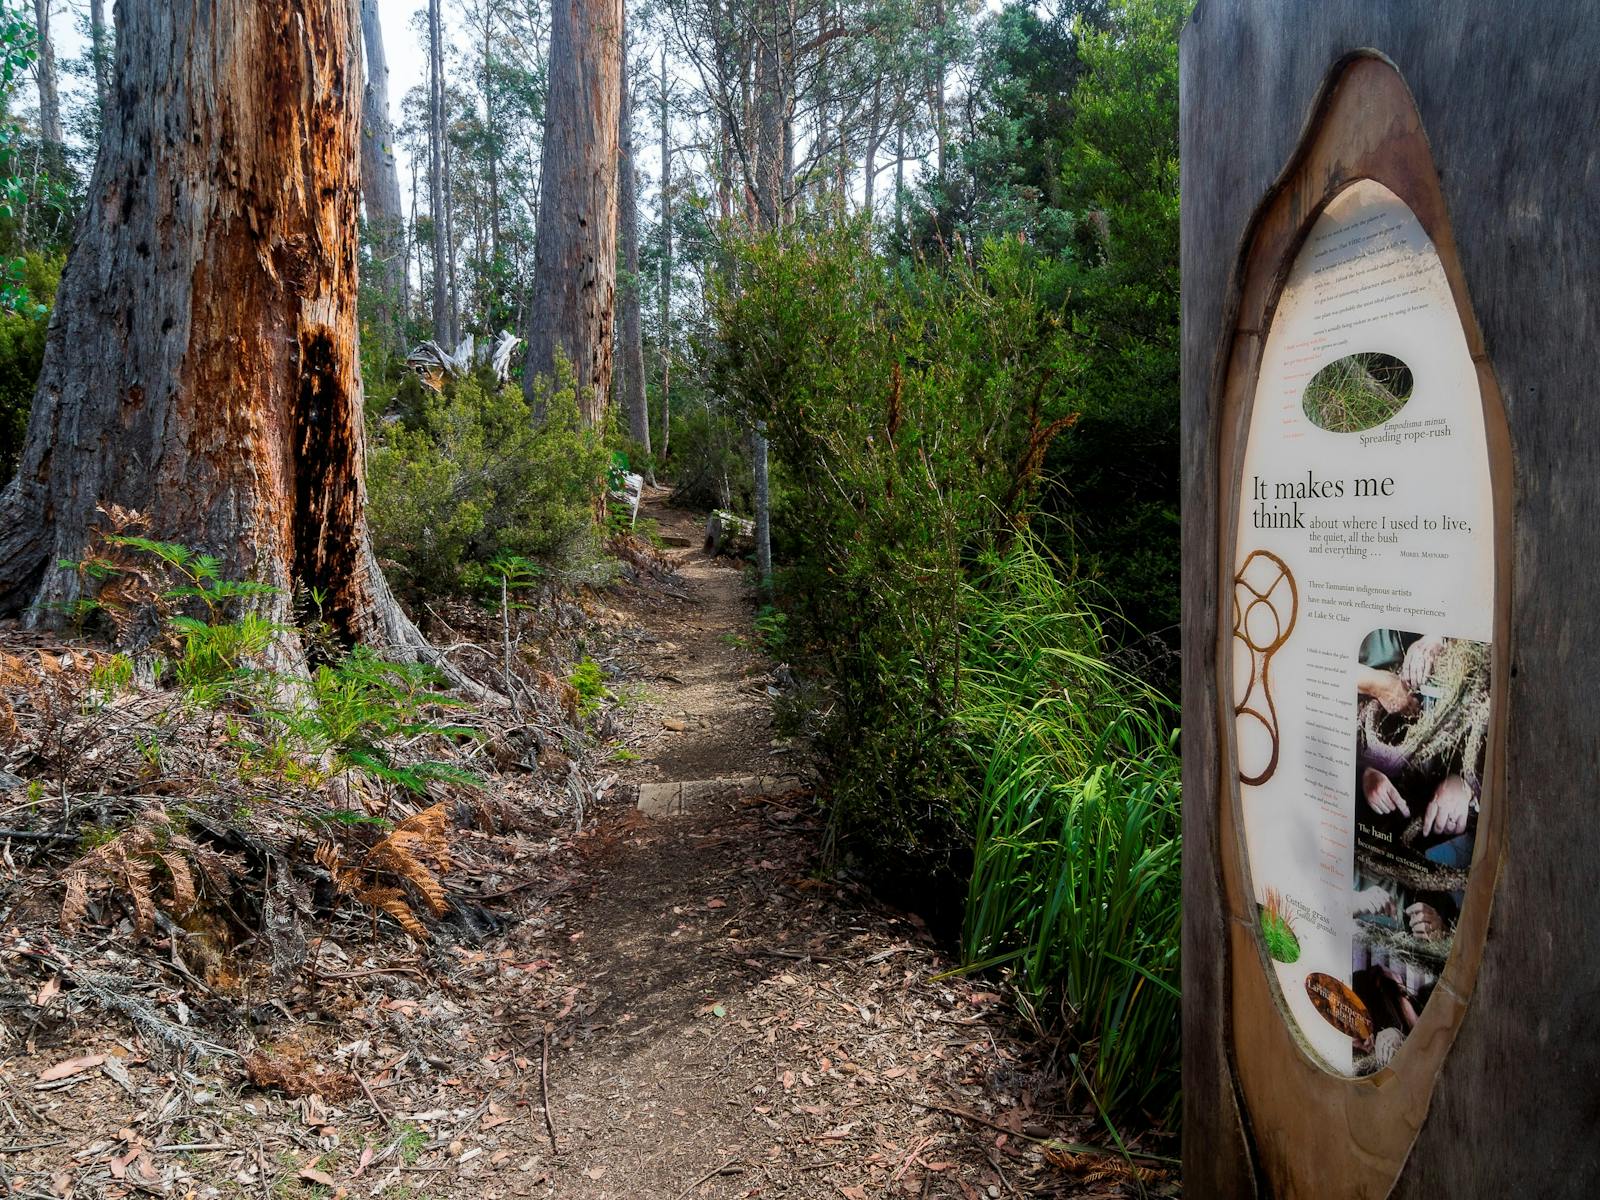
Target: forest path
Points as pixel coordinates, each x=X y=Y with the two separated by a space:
x=747 y=1027
x=661 y=1006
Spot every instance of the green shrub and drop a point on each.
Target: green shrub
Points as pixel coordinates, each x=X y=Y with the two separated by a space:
x=589 y=681
x=908 y=411
x=22 y=335
x=471 y=477
x=1072 y=805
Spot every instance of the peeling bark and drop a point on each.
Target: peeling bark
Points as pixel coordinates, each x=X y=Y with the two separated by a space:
x=575 y=256
x=201 y=365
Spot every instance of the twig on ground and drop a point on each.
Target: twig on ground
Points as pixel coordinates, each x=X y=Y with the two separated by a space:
x=373 y=1100
x=544 y=1089
x=726 y=1168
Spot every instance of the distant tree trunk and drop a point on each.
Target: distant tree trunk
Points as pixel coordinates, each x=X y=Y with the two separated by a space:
x=666 y=263
x=899 y=178
x=940 y=129
x=414 y=239
x=630 y=367
x=774 y=158
x=874 y=137
x=380 y=178
x=491 y=137
x=100 y=50
x=201 y=366
x=44 y=70
x=450 y=231
x=575 y=255
x=436 y=200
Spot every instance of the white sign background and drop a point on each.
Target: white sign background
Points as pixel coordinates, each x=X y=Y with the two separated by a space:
x=1387 y=528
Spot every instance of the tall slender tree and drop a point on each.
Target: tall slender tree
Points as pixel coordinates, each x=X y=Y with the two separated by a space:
x=630 y=364
x=201 y=366
x=44 y=71
x=436 y=197
x=380 y=178
x=100 y=50
x=664 y=336
x=575 y=253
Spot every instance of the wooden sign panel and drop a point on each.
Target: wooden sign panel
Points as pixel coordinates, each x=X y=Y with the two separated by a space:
x=1381 y=853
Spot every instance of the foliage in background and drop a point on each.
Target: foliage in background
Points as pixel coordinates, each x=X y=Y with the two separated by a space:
x=22 y=333
x=470 y=476
x=910 y=410
x=1074 y=148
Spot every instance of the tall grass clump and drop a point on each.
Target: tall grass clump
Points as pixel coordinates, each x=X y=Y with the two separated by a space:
x=1073 y=813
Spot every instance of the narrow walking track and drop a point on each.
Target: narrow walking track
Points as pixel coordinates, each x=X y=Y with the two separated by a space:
x=751 y=1028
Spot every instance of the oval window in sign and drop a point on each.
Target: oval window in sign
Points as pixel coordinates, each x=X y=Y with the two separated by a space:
x=1363 y=609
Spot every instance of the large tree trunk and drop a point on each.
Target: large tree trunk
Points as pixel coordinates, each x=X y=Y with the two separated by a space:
x=44 y=69
x=201 y=366
x=441 y=256
x=630 y=368
x=575 y=255
x=380 y=178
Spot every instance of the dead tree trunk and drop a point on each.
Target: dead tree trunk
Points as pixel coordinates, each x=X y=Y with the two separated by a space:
x=201 y=366
x=635 y=404
x=44 y=69
x=575 y=252
x=441 y=258
x=380 y=178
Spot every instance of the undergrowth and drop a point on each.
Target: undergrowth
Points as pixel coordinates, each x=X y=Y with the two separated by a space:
x=334 y=750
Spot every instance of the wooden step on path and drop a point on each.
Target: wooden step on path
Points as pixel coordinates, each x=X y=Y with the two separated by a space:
x=673 y=799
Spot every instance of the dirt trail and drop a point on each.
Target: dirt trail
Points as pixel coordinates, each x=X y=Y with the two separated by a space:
x=752 y=1029
x=706 y=1010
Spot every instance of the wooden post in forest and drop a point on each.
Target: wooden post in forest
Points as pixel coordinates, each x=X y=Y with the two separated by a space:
x=1391 y=529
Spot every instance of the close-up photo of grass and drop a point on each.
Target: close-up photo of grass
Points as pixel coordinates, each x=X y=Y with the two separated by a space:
x=1356 y=392
x=1277 y=928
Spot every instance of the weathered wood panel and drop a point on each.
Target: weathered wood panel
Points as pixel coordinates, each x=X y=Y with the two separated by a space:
x=1509 y=101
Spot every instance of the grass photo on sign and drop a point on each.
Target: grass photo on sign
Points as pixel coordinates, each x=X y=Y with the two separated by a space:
x=1356 y=392
x=1277 y=928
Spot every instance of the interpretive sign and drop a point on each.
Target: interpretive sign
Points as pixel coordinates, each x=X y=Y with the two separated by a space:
x=1391 y=545
x=1363 y=611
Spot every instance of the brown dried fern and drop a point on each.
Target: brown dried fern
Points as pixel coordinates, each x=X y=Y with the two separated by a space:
x=414 y=852
x=140 y=863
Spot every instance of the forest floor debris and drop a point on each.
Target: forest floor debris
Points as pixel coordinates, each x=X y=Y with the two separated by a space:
x=666 y=1007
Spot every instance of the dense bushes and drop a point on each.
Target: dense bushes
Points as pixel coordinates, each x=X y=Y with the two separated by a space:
x=909 y=413
x=978 y=740
x=467 y=475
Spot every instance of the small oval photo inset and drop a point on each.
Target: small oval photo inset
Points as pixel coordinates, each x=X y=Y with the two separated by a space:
x=1356 y=392
x=1339 y=1005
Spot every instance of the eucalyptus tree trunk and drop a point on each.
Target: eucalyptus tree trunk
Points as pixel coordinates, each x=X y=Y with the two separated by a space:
x=630 y=366
x=201 y=365
x=666 y=263
x=44 y=70
x=436 y=197
x=571 y=308
x=380 y=178
x=100 y=50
